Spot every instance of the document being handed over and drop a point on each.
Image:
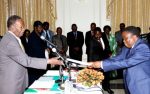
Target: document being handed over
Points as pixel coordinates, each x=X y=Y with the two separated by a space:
x=78 y=62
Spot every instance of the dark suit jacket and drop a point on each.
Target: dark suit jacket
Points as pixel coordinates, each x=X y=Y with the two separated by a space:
x=36 y=46
x=136 y=65
x=88 y=38
x=36 y=49
x=72 y=43
x=96 y=52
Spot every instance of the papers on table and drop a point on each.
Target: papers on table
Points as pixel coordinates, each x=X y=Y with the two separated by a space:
x=43 y=78
x=78 y=62
x=55 y=73
x=80 y=87
x=43 y=84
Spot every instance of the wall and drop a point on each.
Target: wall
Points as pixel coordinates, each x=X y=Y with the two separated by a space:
x=81 y=12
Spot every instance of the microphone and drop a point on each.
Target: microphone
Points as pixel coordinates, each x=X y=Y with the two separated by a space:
x=43 y=38
x=59 y=56
x=54 y=49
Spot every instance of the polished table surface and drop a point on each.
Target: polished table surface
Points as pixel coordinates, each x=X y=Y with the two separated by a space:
x=46 y=85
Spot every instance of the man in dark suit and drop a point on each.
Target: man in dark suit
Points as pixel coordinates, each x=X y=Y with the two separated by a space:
x=75 y=40
x=134 y=59
x=37 y=49
x=36 y=45
x=98 y=50
x=88 y=37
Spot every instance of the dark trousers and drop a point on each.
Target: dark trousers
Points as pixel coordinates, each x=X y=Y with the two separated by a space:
x=35 y=74
x=106 y=83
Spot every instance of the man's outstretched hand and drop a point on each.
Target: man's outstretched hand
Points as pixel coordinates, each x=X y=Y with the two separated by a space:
x=95 y=64
x=55 y=61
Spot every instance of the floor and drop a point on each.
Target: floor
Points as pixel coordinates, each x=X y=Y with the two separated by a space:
x=117 y=86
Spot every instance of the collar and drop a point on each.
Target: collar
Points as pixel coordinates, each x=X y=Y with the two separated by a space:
x=133 y=45
x=14 y=36
x=137 y=42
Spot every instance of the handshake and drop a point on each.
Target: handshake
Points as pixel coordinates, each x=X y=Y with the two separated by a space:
x=56 y=61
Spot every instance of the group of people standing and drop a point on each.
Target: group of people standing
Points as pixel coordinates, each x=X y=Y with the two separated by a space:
x=97 y=45
x=133 y=57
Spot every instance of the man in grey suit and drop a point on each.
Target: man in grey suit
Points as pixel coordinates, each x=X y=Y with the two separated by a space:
x=13 y=59
x=134 y=60
x=60 y=41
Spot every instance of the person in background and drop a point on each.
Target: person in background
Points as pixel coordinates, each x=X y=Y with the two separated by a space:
x=24 y=40
x=60 y=41
x=37 y=48
x=36 y=45
x=14 y=61
x=120 y=44
x=113 y=46
x=98 y=50
x=111 y=39
x=75 y=41
x=47 y=33
x=88 y=37
x=118 y=37
x=134 y=59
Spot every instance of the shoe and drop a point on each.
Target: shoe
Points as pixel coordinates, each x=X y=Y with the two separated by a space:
x=110 y=91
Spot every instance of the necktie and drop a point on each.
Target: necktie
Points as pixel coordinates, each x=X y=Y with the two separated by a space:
x=61 y=41
x=100 y=43
x=47 y=37
x=75 y=35
x=92 y=33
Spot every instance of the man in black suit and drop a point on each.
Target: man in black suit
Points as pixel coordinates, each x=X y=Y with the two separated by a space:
x=36 y=45
x=88 y=37
x=36 y=49
x=99 y=50
x=75 y=40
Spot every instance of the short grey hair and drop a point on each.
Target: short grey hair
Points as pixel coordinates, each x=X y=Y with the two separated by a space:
x=12 y=19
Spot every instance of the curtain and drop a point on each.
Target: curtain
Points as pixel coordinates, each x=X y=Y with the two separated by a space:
x=130 y=12
x=29 y=10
